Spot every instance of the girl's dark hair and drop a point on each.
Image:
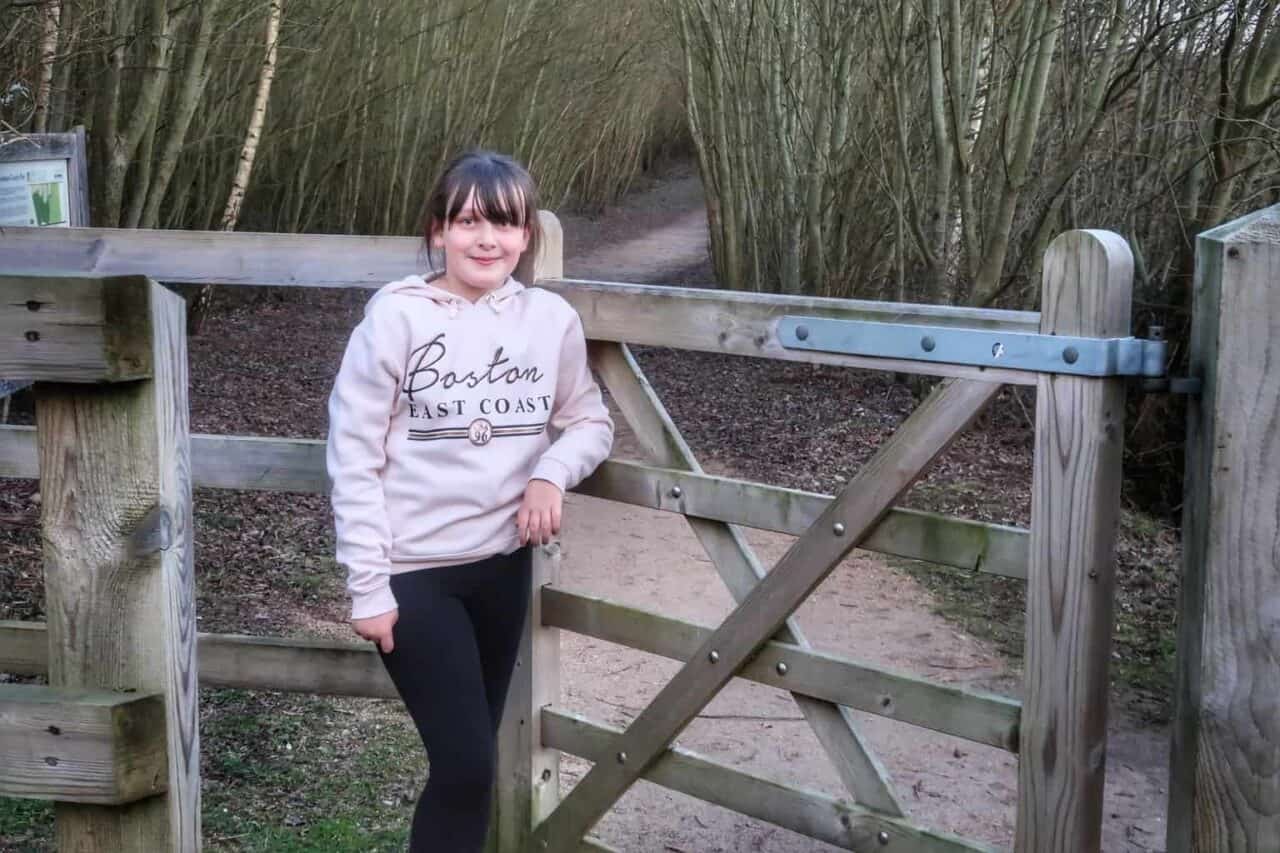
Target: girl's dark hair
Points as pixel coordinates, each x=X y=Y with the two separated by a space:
x=504 y=194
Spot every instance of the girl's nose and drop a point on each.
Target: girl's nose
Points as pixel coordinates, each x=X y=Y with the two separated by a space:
x=486 y=233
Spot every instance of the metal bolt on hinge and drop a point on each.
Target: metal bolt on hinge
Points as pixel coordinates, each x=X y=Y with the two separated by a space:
x=676 y=491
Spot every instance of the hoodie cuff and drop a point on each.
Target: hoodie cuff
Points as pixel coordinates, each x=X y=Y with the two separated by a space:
x=375 y=603
x=553 y=471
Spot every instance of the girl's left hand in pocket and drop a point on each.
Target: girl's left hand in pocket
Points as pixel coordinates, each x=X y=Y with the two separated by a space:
x=539 y=517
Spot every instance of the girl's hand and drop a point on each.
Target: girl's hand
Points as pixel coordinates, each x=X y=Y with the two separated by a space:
x=539 y=517
x=378 y=629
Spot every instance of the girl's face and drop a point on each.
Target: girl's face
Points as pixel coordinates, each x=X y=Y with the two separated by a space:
x=479 y=254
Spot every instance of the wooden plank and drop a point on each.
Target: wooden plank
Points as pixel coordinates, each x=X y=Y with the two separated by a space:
x=528 y=769
x=116 y=527
x=993 y=548
x=83 y=746
x=862 y=774
x=809 y=813
x=297 y=465
x=75 y=329
x=1225 y=777
x=979 y=717
x=528 y=773
x=690 y=318
x=924 y=435
x=1088 y=289
x=320 y=667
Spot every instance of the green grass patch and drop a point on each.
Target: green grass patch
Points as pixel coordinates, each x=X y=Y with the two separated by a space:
x=284 y=773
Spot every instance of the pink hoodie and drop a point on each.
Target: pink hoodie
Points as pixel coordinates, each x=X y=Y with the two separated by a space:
x=439 y=417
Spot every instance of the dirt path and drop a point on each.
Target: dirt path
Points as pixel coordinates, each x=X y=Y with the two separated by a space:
x=865 y=610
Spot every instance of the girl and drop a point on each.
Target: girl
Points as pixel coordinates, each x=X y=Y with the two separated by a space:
x=463 y=409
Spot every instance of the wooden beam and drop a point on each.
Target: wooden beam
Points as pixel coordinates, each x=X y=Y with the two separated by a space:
x=924 y=435
x=979 y=717
x=689 y=318
x=1075 y=506
x=297 y=465
x=862 y=774
x=1224 y=790
x=75 y=329
x=320 y=667
x=993 y=548
x=82 y=746
x=116 y=529
x=809 y=813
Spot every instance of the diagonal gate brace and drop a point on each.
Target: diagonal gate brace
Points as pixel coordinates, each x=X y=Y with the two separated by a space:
x=859 y=770
x=863 y=501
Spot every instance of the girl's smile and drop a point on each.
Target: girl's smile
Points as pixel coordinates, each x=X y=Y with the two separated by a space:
x=479 y=253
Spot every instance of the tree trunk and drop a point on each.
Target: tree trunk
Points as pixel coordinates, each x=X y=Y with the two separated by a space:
x=244 y=168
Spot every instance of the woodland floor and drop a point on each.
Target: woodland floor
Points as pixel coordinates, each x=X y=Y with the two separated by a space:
x=296 y=773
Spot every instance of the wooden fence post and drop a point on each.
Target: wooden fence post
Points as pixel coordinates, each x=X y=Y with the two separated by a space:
x=116 y=529
x=528 y=784
x=1224 y=781
x=1075 y=503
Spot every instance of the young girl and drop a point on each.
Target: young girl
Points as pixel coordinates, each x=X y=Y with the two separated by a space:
x=463 y=410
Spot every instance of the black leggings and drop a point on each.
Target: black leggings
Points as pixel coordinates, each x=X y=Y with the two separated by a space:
x=456 y=642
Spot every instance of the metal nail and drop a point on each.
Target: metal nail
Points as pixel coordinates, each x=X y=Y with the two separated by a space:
x=676 y=491
x=781 y=668
x=714 y=657
x=882 y=837
x=622 y=758
x=837 y=529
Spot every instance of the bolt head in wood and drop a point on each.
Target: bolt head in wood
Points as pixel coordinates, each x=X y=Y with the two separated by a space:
x=676 y=491
x=781 y=667
x=837 y=529
x=882 y=837
x=928 y=344
x=1070 y=355
x=714 y=657
x=622 y=758
x=802 y=333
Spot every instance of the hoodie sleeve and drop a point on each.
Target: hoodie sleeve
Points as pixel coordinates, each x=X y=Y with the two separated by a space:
x=360 y=409
x=580 y=416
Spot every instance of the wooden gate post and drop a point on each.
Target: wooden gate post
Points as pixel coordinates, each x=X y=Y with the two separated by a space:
x=116 y=526
x=528 y=783
x=1224 y=781
x=1075 y=504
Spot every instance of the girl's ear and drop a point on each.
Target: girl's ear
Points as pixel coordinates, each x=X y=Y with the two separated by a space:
x=437 y=235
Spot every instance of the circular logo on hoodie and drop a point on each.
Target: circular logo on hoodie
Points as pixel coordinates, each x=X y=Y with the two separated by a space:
x=480 y=431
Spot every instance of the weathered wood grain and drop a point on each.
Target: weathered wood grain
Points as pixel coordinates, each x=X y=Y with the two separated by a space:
x=116 y=531
x=75 y=329
x=81 y=746
x=1225 y=775
x=1088 y=288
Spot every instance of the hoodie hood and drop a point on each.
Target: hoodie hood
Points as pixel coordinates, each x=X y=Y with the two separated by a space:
x=423 y=288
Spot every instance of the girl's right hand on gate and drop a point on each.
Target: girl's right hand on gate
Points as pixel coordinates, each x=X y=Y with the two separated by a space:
x=378 y=629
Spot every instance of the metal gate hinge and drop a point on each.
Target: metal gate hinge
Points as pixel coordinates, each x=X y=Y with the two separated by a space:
x=977 y=347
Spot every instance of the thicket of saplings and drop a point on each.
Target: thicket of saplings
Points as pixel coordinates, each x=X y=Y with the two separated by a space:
x=365 y=102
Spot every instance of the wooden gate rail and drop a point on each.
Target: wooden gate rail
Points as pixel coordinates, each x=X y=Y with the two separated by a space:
x=810 y=813
x=253 y=463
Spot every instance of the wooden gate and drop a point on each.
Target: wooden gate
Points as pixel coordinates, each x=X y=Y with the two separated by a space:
x=1059 y=729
